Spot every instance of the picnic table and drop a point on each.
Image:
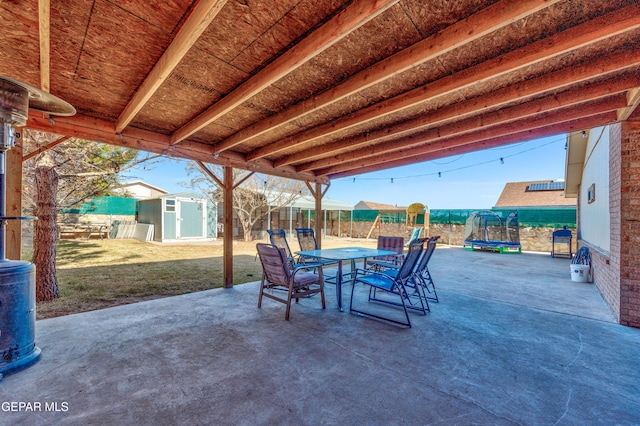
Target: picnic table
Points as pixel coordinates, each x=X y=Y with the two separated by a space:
x=80 y=229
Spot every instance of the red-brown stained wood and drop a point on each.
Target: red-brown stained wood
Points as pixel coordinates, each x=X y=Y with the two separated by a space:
x=101 y=51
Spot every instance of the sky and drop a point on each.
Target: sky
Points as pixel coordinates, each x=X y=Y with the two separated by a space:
x=468 y=181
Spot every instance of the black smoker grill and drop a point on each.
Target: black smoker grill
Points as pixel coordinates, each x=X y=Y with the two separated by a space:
x=18 y=349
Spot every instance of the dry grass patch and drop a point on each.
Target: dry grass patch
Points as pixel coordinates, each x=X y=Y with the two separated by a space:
x=98 y=274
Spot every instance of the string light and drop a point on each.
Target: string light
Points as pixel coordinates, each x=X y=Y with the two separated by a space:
x=501 y=159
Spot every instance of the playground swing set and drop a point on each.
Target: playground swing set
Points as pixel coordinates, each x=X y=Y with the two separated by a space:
x=488 y=230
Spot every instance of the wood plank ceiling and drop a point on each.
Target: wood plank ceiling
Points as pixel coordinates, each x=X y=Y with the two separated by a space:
x=321 y=89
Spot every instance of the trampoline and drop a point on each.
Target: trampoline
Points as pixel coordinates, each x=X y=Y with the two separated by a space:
x=488 y=230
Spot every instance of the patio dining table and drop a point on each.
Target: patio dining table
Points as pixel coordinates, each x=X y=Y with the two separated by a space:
x=344 y=253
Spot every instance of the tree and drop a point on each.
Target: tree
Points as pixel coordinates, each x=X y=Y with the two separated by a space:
x=254 y=199
x=61 y=177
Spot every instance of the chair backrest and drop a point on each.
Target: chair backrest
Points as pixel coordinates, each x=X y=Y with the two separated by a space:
x=414 y=234
x=391 y=243
x=410 y=260
x=279 y=239
x=274 y=263
x=427 y=253
x=306 y=239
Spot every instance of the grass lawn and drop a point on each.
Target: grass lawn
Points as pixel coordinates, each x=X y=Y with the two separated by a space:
x=95 y=274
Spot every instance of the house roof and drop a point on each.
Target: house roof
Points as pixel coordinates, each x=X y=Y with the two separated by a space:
x=321 y=89
x=534 y=194
x=370 y=205
x=140 y=183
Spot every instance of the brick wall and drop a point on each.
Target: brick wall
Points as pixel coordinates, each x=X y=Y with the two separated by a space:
x=628 y=174
x=606 y=266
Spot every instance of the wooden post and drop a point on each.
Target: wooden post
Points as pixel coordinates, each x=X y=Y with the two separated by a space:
x=318 y=198
x=427 y=222
x=13 y=235
x=227 y=256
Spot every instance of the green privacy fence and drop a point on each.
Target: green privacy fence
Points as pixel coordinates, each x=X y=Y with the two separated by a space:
x=531 y=217
x=106 y=205
x=360 y=216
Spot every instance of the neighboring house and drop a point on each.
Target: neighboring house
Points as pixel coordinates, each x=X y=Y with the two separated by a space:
x=539 y=194
x=139 y=189
x=370 y=205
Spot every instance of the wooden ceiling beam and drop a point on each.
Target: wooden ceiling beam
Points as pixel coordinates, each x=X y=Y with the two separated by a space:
x=614 y=23
x=44 y=28
x=422 y=143
x=518 y=112
x=45 y=147
x=98 y=130
x=192 y=29
x=464 y=31
x=527 y=135
x=545 y=83
x=633 y=100
x=345 y=22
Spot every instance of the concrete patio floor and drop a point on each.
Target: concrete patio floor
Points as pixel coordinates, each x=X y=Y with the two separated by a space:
x=512 y=341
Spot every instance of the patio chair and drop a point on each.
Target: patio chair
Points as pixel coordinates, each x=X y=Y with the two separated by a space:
x=307 y=241
x=279 y=239
x=388 y=243
x=278 y=274
x=386 y=289
x=422 y=276
x=420 y=284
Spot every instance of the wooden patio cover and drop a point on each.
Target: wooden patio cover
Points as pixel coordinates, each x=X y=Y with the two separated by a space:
x=322 y=89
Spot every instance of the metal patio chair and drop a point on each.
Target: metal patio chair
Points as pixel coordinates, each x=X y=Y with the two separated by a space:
x=421 y=282
x=388 y=243
x=307 y=241
x=386 y=289
x=422 y=277
x=278 y=275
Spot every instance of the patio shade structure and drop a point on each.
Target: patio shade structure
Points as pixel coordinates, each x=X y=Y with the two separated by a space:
x=321 y=89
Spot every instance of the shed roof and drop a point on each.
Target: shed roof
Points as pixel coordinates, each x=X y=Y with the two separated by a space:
x=523 y=194
x=321 y=89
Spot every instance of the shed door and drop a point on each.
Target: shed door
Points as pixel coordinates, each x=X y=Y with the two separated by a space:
x=191 y=218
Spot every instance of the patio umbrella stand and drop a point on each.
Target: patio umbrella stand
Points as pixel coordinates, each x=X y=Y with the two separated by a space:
x=17 y=278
